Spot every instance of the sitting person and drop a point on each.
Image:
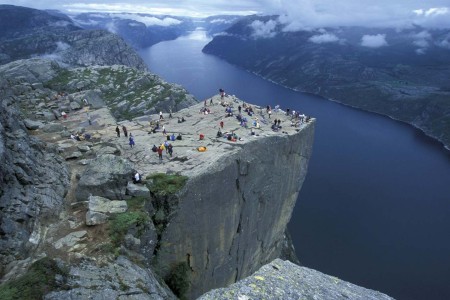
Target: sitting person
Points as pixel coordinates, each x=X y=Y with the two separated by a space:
x=219 y=133
x=137 y=178
x=154 y=148
x=179 y=137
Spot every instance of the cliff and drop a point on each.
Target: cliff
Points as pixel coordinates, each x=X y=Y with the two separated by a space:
x=398 y=78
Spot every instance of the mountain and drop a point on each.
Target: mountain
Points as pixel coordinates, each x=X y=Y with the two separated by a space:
x=218 y=24
x=401 y=74
x=30 y=33
x=138 y=30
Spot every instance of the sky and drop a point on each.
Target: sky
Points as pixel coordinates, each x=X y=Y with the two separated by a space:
x=296 y=14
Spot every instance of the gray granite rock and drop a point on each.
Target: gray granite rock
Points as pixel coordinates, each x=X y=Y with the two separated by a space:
x=137 y=190
x=95 y=218
x=73 y=155
x=107 y=176
x=75 y=105
x=83 y=148
x=103 y=205
x=71 y=239
x=32 y=125
x=120 y=279
x=53 y=127
x=285 y=280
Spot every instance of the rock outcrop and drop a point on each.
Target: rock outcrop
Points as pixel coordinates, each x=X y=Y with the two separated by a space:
x=240 y=205
x=285 y=280
x=106 y=176
x=120 y=279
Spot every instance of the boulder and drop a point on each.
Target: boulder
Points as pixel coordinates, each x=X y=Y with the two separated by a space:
x=95 y=218
x=71 y=239
x=74 y=155
x=83 y=148
x=75 y=105
x=136 y=190
x=53 y=127
x=106 y=176
x=32 y=125
x=103 y=205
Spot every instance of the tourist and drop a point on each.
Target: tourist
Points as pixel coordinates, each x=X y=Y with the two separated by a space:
x=125 y=132
x=118 y=131
x=64 y=115
x=170 y=147
x=161 y=115
x=137 y=178
x=131 y=140
x=221 y=124
x=160 y=151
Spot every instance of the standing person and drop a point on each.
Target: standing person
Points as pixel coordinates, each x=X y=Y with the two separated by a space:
x=160 y=115
x=118 y=131
x=211 y=102
x=125 y=132
x=89 y=118
x=170 y=147
x=221 y=124
x=64 y=115
x=131 y=140
x=160 y=151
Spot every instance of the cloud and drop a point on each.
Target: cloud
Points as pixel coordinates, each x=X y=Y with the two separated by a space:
x=324 y=38
x=422 y=40
x=444 y=43
x=374 y=41
x=263 y=29
x=149 y=20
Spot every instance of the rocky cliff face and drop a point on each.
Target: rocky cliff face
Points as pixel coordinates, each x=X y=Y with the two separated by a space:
x=399 y=78
x=33 y=183
x=29 y=33
x=232 y=215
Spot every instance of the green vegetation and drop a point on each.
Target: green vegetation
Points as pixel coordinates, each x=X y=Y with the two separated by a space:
x=38 y=281
x=164 y=184
x=179 y=280
x=121 y=223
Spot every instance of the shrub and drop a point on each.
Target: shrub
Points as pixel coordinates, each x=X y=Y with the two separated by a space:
x=120 y=224
x=164 y=184
x=38 y=281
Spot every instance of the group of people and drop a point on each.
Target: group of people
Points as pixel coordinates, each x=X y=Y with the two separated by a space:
x=131 y=141
x=80 y=137
x=160 y=149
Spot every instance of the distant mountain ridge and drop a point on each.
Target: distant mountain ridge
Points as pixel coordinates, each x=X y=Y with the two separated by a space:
x=28 y=33
x=402 y=74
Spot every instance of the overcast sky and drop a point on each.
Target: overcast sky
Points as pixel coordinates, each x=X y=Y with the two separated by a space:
x=297 y=13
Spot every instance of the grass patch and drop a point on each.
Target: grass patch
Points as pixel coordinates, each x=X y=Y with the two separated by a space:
x=38 y=281
x=164 y=184
x=136 y=203
x=179 y=280
x=121 y=223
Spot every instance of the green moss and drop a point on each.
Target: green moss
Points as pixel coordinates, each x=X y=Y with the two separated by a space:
x=179 y=280
x=136 y=203
x=164 y=184
x=38 y=281
x=121 y=223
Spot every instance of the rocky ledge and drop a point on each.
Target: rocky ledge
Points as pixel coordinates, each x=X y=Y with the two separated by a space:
x=285 y=280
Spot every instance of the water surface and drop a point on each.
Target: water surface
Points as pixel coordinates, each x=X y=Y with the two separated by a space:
x=375 y=206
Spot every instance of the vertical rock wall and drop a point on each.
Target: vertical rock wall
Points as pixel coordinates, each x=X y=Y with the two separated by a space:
x=231 y=218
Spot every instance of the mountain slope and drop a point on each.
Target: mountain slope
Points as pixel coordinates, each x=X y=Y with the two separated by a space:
x=400 y=74
x=30 y=33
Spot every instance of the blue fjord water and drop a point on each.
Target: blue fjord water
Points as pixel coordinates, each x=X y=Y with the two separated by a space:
x=375 y=207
